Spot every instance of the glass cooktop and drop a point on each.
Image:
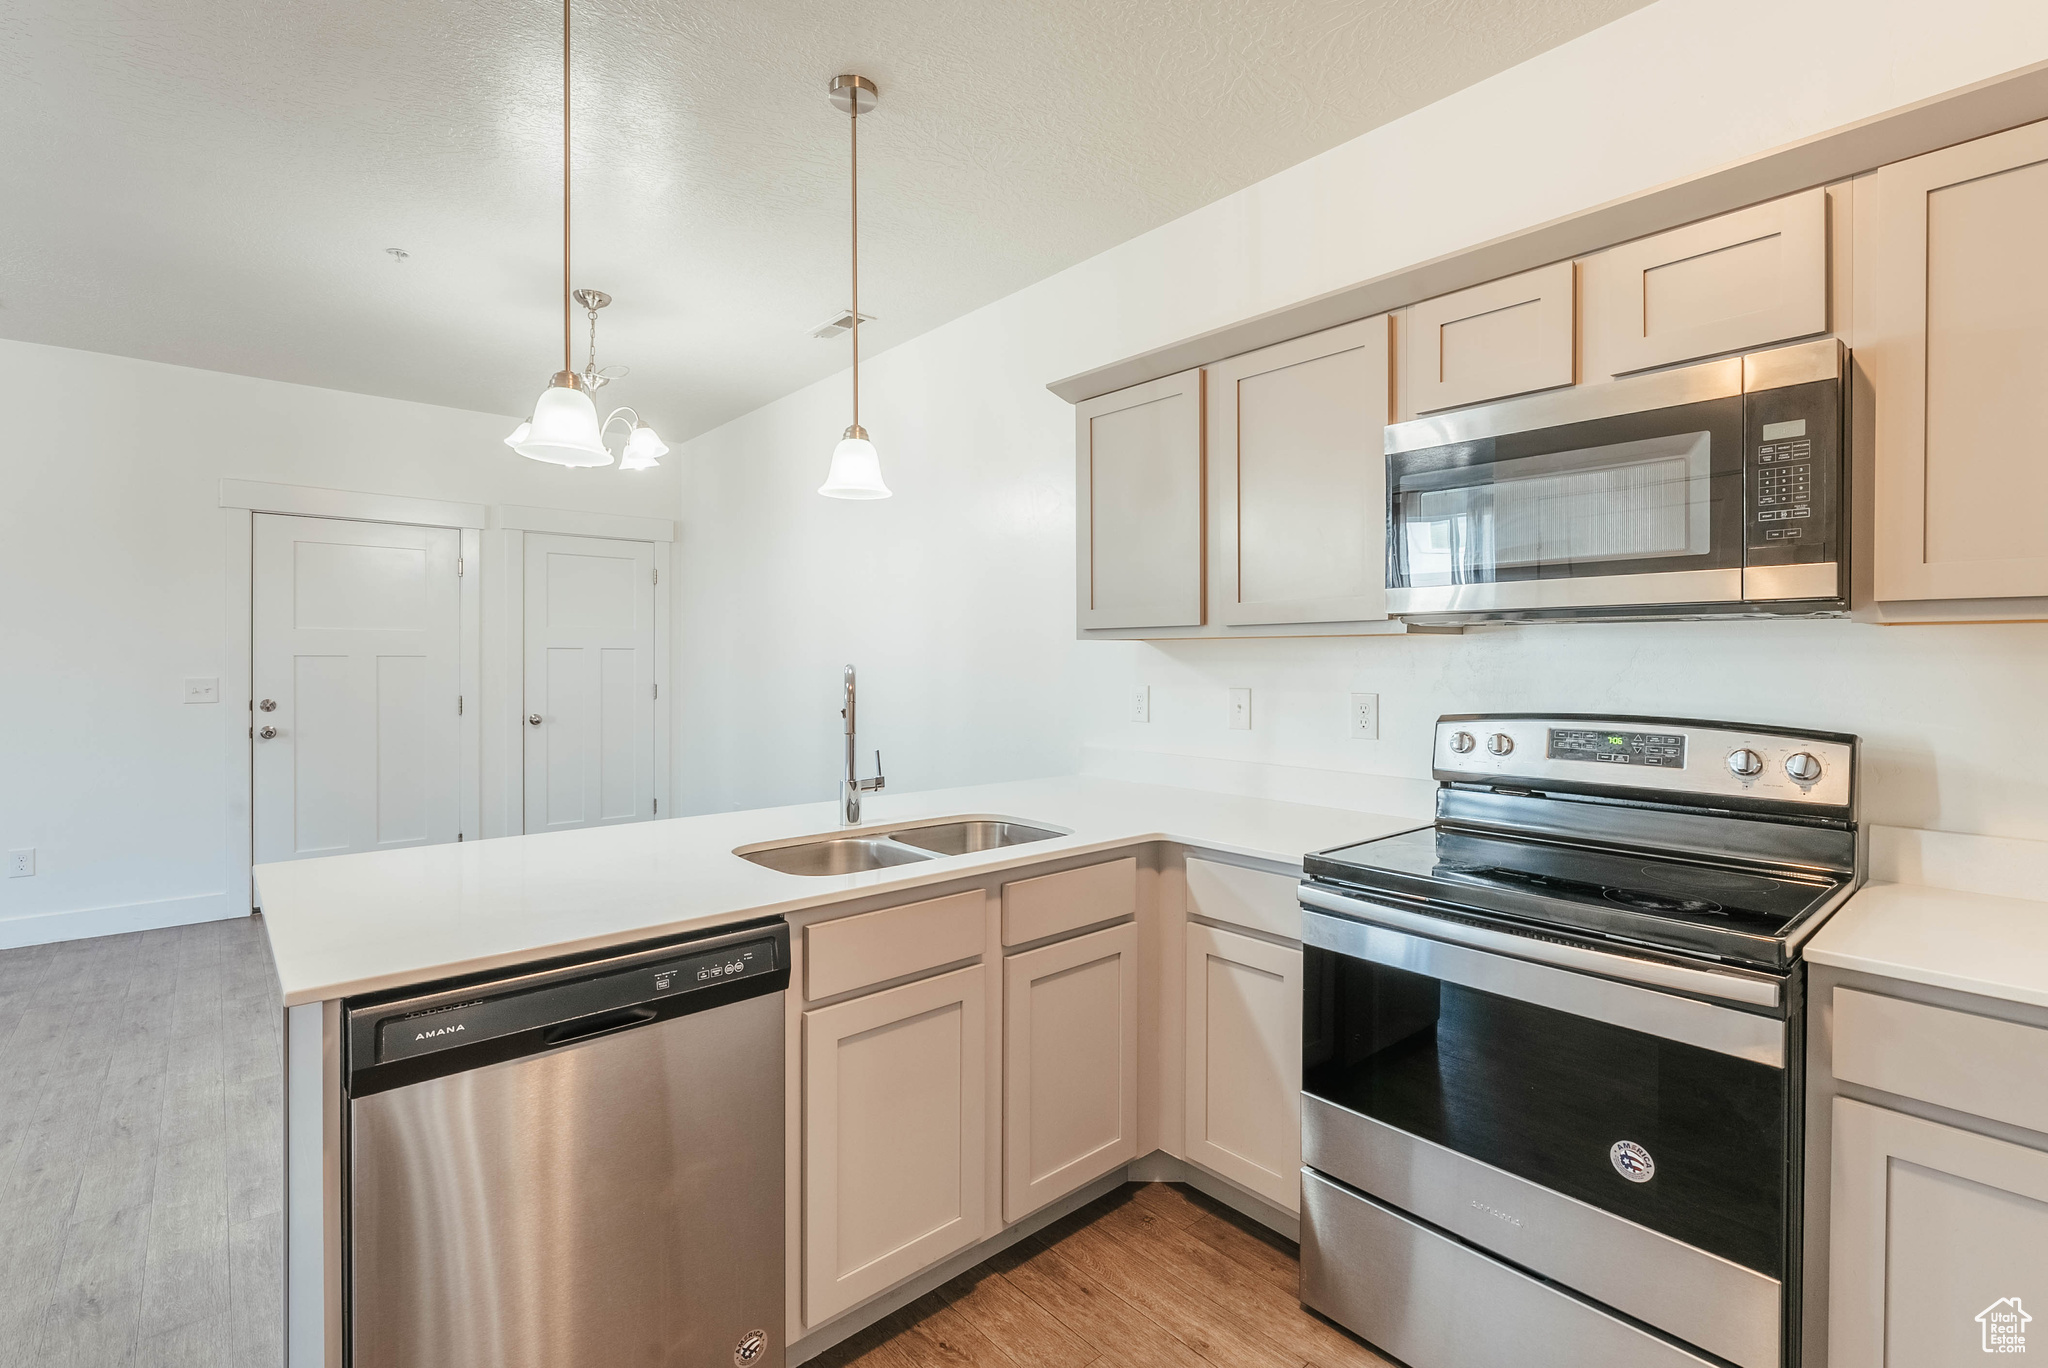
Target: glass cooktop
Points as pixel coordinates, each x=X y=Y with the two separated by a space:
x=1709 y=909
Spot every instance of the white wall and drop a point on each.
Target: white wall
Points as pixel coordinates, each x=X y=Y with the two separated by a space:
x=113 y=589
x=957 y=595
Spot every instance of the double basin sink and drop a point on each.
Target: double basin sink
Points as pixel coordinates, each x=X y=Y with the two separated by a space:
x=858 y=853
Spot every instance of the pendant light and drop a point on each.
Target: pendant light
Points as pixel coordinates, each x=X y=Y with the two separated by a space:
x=563 y=430
x=856 y=469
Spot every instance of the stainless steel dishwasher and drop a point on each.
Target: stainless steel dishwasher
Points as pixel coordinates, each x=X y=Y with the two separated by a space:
x=578 y=1166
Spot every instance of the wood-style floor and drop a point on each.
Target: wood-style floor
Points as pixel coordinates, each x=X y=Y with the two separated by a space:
x=1154 y=1275
x=142 y=1151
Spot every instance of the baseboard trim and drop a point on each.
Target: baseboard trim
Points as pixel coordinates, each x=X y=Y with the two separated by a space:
x=42 y=928
x=1161 y=1167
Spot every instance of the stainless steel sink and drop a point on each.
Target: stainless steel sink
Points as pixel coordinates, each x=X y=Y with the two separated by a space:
x=838 y=855
x=857 y=853
x=962 y=838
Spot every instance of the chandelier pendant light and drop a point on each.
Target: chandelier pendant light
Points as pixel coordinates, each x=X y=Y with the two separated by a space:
x=564 y=428
x=856 y=471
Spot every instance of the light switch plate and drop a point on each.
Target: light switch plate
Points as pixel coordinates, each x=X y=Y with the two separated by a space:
x=21 y=863
x=1240 y=709
x=1365 y=717
x=1141 y=703
x=202 y=691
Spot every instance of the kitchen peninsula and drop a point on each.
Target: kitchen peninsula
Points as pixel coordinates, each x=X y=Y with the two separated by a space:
x=1093 y=915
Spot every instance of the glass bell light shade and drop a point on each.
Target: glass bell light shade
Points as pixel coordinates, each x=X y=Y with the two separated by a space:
x=564 y=427
x=519 y=434
x=856 y=469
x=643 y=449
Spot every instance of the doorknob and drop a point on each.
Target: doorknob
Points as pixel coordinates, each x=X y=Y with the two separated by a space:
x=268 y=705
x=267 y=733
x=533 y=719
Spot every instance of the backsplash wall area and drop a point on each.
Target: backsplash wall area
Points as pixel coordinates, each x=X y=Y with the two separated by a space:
x=956 y=597
x=1948 y=715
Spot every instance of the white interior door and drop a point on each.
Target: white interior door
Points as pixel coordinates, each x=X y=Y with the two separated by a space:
x=356 y=657
x=589 y=681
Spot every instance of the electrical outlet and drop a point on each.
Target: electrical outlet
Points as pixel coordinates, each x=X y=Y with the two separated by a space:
x=202 y=691
x=1240 y=709
x=1141 y=703
x=21 y=863
x=1365 y=717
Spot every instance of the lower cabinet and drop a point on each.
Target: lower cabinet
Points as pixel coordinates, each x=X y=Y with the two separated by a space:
x=1244 y=1062
x=896 y=1140
x=1070 y=1066
x=1937 y=1242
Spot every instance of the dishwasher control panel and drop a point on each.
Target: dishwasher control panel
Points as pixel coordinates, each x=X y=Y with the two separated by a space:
x=524 y=1013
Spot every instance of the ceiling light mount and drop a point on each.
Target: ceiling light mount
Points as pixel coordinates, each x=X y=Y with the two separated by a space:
x=854 y=95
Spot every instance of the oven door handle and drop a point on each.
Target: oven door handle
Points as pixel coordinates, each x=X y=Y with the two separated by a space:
x=1728 y=985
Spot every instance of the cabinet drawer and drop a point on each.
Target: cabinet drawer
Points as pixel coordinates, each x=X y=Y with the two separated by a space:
x=1250 y=898
x=1054 y=904
x=1505 y=337
x=1732 y=283
x=1974 y=1064
x=853 y=952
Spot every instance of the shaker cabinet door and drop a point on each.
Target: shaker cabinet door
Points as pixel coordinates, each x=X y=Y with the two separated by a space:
x=1936 y=1242
x=1508 y=336
x=895 y=1136
x=1957 y=351
x=1138 y=505
x=1244 y=1062
x=1070 y=1066
x=1298 y=432
x=1734 y=282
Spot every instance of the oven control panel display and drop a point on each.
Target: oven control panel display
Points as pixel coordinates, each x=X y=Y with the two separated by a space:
x=1658 y=750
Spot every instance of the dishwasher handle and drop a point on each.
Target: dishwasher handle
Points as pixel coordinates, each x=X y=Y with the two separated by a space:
x=597 y=1025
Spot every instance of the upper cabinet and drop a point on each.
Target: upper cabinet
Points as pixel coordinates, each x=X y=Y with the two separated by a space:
x=1749 y=279
x=1297 y=446
x=1508 y=336
x=1138 y=501
x=1955 y=339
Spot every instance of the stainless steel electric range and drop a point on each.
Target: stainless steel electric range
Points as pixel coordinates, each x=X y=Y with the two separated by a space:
x=1552 y=1045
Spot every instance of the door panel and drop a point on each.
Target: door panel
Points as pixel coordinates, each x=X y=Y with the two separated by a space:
x=1070 y=1074
x=895 y=1136
x=1138 y=500
x=1299 y=432
x=1731 y=283
x=1508 y=336
x=590 y=680
x=1244 y=1062
x=1957 y=345
x=356 y=642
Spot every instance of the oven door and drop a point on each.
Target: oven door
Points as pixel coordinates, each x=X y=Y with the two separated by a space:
x=1627 y=494
x=1627 y=1143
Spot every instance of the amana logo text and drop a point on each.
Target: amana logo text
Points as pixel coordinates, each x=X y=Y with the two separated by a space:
x=439 y=1031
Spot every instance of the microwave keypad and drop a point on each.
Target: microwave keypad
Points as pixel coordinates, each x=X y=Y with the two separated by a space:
x=1792 y=478
x=1784 y=485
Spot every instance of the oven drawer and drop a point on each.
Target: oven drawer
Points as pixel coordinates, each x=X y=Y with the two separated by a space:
x=1700 y=1297
x=1429 y=1300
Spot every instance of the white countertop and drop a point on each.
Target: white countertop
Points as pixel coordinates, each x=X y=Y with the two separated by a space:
x=351 y=924
x=1971 y=942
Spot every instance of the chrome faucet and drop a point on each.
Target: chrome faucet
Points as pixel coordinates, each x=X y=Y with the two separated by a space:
x=851 y=788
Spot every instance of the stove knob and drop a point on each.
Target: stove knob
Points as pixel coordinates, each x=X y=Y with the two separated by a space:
x=1500 y=743
x=1745 y=763
x=1802 y=767
x=1462 y=742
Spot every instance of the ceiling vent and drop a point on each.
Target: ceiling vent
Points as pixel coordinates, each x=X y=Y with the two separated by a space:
x=838 y=325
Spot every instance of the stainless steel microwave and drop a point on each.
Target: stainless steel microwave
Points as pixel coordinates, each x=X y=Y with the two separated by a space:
x=1709 y=490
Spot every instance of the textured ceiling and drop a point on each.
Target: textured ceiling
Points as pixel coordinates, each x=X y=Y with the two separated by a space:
x=213 y=182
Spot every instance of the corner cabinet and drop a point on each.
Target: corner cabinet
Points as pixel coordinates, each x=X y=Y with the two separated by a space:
x=1138 y=505
x=1244 y=1062
x=1956 y=344
x=895 y=1136
x=1298 y=451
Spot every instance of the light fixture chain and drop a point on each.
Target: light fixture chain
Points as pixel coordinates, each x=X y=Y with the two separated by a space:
x=568 y=343
x=853 y=106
